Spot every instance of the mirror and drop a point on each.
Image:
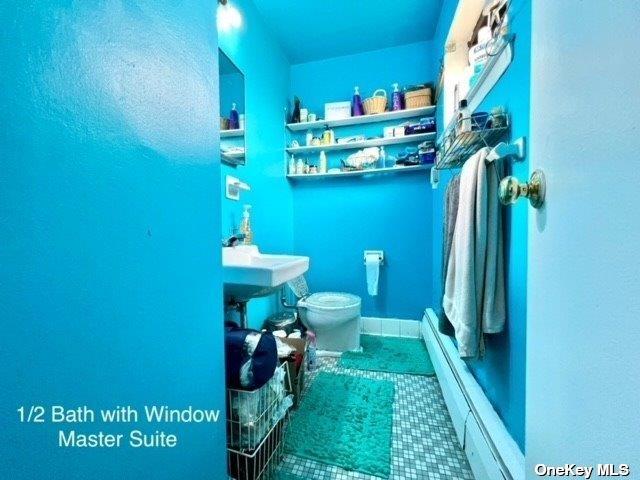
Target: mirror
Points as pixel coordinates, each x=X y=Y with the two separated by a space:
x=232 y=121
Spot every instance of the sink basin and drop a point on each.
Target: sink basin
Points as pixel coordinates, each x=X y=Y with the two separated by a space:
x=248 y=274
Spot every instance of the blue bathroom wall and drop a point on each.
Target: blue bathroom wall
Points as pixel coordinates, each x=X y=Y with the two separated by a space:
x=266 y=70
x=501 y=373
x=110 y=280
x=336 y=220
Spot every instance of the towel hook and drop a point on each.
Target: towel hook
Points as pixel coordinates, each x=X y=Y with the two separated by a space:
x=535 y=189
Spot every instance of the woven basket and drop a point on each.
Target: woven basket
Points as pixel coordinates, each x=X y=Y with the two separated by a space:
x=418 y=98
x=377 y=103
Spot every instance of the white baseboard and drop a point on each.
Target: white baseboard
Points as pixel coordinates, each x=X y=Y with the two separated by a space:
x=492 y=452
x=391 y=327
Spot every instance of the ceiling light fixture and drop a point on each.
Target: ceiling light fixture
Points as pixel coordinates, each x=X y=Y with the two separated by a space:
x=228 y=16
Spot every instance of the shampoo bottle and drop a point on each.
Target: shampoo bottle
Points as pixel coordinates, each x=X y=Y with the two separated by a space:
x=246 y=226
x=292 y=165
x=463 y=123
x=397 y=97
x=322 y=163
x=383 y=158
x=356 y=104
x=234 y=118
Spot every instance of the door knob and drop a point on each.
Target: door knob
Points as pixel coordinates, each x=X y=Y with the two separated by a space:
x=511 y=190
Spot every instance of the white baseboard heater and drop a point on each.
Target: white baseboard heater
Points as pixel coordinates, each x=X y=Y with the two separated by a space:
x=492 y=452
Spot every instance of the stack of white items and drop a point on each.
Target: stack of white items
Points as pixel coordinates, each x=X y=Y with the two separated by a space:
x=364 y=158
x=474 y=293
x=230 y=150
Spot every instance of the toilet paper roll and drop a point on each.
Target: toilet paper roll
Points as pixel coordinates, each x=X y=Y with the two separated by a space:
x=372 y=264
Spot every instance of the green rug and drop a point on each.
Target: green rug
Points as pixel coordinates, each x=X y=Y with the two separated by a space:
x=345 y=421
x=390 y=354
x=286 y=476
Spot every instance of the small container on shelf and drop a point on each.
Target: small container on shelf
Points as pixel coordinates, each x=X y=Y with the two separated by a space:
x=417 y=96
x=376 y=103
x=337 y=110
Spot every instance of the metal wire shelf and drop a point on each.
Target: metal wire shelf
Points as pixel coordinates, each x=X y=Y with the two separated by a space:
x=456 y=147
x=255 y=425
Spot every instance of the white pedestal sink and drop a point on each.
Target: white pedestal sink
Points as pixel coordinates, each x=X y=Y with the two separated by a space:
x=248 y=274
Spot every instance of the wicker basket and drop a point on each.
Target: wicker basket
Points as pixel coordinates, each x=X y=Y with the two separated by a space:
x=377 y=103
x=418 y=98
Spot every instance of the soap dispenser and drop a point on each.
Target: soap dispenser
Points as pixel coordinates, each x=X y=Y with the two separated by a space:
x=356 y=104
x=234 y=118
x=245 y=228
x=397 y=97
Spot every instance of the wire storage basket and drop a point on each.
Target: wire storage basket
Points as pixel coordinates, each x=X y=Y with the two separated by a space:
x=255 y=424
x=456 y=147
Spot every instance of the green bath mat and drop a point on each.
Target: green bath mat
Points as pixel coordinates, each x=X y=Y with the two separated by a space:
x=286 y=476
x=345 y=421
x=390 y=354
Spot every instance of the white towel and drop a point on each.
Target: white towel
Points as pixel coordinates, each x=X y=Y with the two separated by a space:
x=474 y=297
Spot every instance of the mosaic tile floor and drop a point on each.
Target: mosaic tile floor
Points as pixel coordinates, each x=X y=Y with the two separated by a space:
x=424 y=447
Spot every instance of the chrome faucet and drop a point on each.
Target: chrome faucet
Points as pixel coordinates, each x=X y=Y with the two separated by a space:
x=233 y=240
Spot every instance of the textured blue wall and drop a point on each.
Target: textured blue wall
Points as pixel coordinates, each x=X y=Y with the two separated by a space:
x=266 y=71
x=501 y=373
x=110 y=213
x=336 y=220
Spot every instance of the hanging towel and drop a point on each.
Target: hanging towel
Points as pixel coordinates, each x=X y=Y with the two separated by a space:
x=474 y=299
x=448 y=227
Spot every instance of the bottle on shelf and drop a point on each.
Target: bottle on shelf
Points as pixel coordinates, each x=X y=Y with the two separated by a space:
x=328 y=137
x=463 y=119
x=234 y=118
x=309 y=138
x=246 y=226
x=357 y=109
x=292 y=165
x=396 y=97
x=322 y=163
x=383 y=158
x=295 y=116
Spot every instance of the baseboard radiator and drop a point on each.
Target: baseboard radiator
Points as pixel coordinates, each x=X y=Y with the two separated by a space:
x=492 y=452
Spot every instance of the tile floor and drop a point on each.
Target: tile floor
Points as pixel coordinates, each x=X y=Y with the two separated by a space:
x=424 y=447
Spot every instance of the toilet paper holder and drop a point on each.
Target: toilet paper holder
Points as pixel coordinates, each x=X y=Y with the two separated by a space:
x=378 y=253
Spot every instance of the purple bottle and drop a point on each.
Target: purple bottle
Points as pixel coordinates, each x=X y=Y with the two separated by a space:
x=397 y=98
x=356 y=104
x=234 y=118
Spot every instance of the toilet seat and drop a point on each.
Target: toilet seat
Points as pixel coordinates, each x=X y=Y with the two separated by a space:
x=332 y=300
x=331 y=307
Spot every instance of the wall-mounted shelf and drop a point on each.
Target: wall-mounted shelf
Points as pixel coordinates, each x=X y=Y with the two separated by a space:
x=456 y=148
x=497 y=64
x=374 y=142
x=359 y=173
x=232 y=133
x=377 y=117
x=234 y=158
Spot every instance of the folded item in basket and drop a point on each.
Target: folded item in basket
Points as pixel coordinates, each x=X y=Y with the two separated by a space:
x=251 y=357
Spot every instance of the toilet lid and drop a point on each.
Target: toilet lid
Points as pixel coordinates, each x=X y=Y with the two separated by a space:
x=332 y=300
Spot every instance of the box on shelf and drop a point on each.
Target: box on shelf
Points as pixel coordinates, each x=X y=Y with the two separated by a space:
x=337 y=110
x=295 y=370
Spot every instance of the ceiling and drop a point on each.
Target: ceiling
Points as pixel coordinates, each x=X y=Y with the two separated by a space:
x=310 y=30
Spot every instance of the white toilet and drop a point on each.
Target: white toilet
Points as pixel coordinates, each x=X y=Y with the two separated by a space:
x=334 y=318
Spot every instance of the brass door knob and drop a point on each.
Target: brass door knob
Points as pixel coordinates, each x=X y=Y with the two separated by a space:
x=511 y=190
